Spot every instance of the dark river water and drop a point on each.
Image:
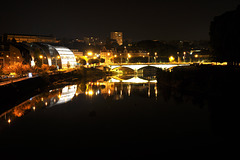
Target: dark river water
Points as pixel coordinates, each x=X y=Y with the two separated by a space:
x=117 y=117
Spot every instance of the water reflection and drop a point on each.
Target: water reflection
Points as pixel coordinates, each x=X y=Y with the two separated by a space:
x=115 y=87
x=44 y=100
x=118 y=87
x=67 y=94
x=141 y=105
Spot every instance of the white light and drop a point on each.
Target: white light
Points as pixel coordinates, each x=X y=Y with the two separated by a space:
x=30 y=75
x=67 y=57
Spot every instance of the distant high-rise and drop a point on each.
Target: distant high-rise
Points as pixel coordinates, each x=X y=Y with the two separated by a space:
x=118 y=36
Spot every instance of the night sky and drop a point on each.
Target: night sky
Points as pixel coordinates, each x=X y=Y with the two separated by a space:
x=139 y=20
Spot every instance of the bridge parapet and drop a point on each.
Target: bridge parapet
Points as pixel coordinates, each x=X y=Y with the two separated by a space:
x=137 y=66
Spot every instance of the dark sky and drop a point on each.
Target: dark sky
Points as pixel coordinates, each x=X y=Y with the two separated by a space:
x=139 y=20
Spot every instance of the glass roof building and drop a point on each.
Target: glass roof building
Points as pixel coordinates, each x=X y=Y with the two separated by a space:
x=67 y=57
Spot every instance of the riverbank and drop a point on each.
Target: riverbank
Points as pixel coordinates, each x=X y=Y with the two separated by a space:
x=211 y=80
x=14 y=93
x=213 y=87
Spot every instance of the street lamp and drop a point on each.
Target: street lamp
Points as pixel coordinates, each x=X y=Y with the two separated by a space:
x=41 y=57
x=121 y=57
x=89 y=53
x=148 y=57
x=196 y=56
x=56 y=58
x=171 y=59
x=155 y=57
x=129 y=56
x=114 y=58
x=184 y=56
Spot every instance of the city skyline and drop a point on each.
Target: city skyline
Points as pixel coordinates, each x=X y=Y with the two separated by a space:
x=162 y=20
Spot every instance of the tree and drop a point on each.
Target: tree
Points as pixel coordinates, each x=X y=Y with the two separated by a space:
x=225 y=37
x=17 y=68
x=102 y=60
x=93 y=61
x=81 y=61
x=45 y=68
x=53 y=68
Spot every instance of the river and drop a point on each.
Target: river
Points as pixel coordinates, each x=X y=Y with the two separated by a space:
x=124 y=116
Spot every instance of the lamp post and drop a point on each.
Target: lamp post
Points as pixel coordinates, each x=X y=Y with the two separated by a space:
x=41 y=57
x=121 y=57
x=114 y=58
x=178 y=57
x=129 y=56
x=56 y=58
x=184 y=56
x=148 y=57
x=155 y=57
x=196 y=56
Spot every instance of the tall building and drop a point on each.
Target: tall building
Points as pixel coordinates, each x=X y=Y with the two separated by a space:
x=118 y=36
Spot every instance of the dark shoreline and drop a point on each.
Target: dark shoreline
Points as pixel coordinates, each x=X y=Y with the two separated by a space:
x=211 y=80
x=216 y=86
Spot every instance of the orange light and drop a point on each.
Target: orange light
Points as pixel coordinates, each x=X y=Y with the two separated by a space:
x=90 y=93
x=171 y=58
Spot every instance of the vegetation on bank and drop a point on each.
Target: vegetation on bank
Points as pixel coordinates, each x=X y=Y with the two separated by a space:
x=202 y=79
x=225 y=37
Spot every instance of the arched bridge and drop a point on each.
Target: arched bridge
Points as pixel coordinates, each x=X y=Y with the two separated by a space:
x=137 y=66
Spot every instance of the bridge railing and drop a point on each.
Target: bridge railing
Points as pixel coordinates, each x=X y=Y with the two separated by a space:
x=166 y=63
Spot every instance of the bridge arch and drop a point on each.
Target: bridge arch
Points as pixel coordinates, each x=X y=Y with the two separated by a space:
x=148 y=67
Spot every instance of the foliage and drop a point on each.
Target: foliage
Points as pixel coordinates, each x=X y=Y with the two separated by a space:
x=37 y=53
x=93 y=61
x=81 y=61
x=53 y=68
x=225 y=37
x=163 y=49
x=102 y=60
x=45 y=68
x=17 y=68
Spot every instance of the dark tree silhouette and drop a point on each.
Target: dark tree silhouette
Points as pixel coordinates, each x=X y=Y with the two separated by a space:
x=225 y=37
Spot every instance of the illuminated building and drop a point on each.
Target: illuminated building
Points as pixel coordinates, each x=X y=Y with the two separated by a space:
x=68 y=59
x=107 y=55
x=13 y=53
x=118 y=36
x=60 y=56
x=19 y=38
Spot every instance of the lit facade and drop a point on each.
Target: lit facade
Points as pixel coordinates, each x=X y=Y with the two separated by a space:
x=28 y=38
x=118 y=36
x=67 y=57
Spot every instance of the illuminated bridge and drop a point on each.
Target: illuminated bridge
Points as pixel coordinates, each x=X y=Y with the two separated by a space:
x=137 y=66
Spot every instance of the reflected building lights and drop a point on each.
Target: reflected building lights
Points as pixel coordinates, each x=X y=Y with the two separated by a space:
x=105 y=88
x=129 y=90
x=67 y=94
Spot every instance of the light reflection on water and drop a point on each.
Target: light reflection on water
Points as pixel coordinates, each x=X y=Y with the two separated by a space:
x=118 y=111
x=115 y=87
